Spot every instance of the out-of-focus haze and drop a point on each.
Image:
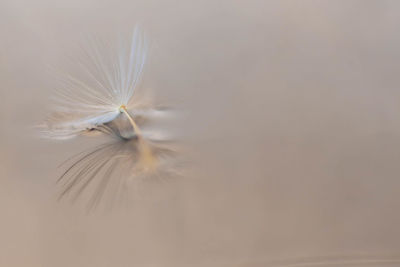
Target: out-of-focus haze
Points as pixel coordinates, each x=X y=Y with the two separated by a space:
x=291 y=129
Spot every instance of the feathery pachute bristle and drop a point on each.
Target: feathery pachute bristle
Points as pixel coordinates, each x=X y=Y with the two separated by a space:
x=103 y=100
x=109 y=82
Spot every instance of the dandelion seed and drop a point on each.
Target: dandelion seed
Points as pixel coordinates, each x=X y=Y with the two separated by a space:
x=110 y=105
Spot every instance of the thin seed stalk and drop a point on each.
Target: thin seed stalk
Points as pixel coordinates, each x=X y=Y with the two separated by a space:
x=147 y=158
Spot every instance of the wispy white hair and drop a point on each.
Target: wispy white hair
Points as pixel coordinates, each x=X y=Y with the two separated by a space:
x=110 y=79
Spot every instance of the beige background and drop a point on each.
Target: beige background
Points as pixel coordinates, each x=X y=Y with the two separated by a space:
x=291 y=124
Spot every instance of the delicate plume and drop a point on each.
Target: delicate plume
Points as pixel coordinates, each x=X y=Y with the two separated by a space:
x=110 y=75
x=102 y=99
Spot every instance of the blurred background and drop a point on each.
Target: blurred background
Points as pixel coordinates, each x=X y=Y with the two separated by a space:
x=291 y=126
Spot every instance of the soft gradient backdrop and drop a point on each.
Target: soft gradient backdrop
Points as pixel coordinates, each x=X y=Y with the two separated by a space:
x=291 y=125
